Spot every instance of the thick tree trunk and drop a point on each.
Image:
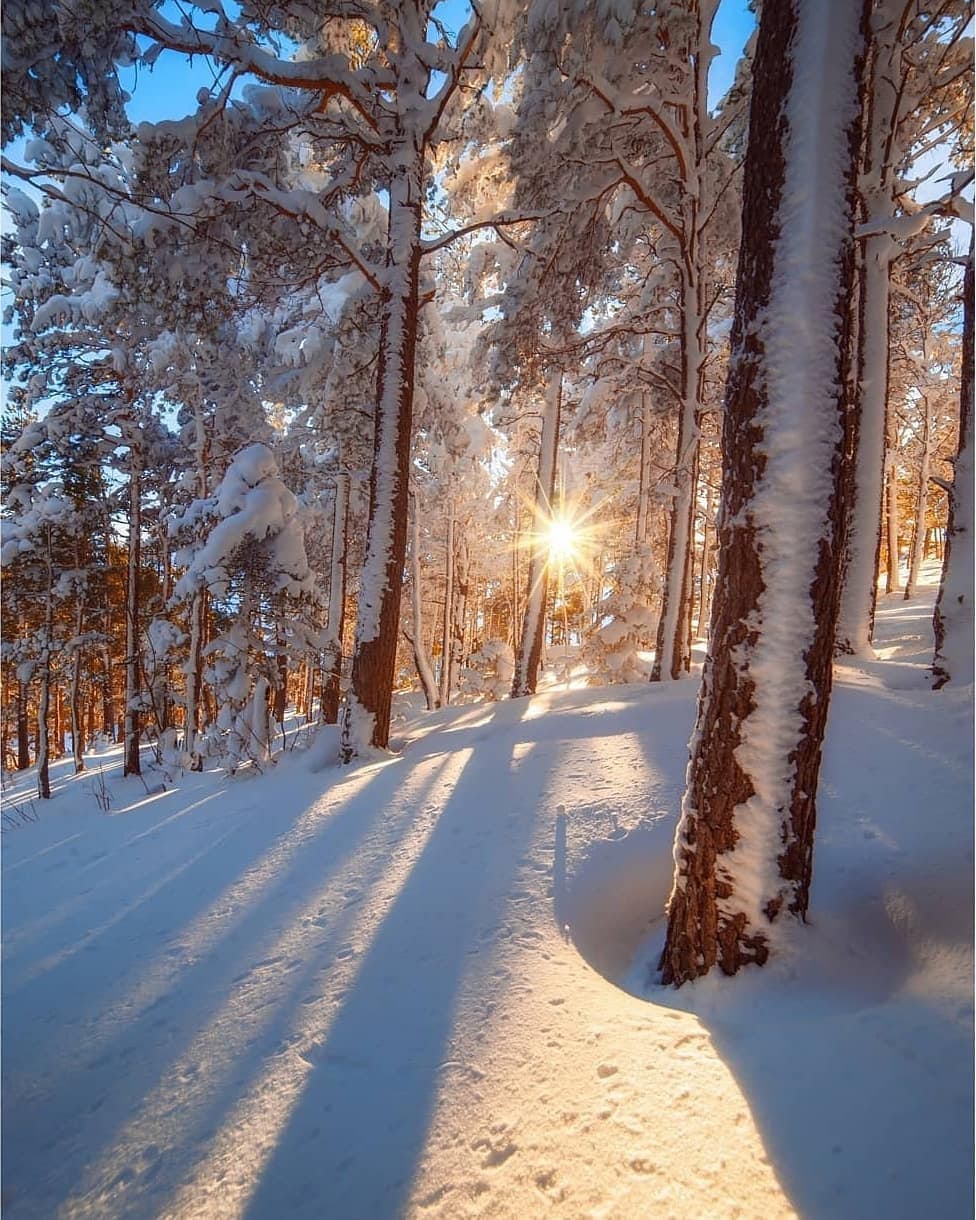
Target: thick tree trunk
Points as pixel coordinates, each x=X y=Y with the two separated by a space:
x=529 y=651
x=953 y=621
x=879 y=184
x=743 y=851
x=366 y=721
x=336 y=624
x=133 y=692
x=421 y=660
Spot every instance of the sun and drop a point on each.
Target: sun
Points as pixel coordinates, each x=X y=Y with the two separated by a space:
x=563 y=540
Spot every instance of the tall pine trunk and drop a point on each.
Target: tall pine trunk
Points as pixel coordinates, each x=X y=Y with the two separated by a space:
x=133 y=668
x=744 y=844
x=336 y=624
x=917 y=551
x=447 y=632
x=23 y=727
x=421 y=660
x=953 y=621
x=44 y=690
x=529 y=652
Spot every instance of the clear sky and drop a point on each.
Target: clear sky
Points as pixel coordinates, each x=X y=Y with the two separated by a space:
x=169 y=89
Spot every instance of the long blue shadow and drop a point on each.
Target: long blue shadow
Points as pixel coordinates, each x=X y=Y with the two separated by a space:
x=56 y=1122
x=352 y=1144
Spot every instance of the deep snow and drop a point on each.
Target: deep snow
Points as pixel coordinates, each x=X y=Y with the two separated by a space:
x=400 y=989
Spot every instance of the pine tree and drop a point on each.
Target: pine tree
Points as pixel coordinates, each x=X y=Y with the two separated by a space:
x=744 y=844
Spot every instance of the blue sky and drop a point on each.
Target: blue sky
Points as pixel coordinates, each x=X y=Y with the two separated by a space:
x=169 y=89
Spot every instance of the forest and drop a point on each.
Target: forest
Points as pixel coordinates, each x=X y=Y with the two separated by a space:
x=374 y=367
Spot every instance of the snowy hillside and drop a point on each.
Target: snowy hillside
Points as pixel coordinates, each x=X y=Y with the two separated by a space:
x=401 y=989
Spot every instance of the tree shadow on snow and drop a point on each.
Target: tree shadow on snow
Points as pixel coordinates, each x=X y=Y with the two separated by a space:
x=352 y=1144
x=72 y=1114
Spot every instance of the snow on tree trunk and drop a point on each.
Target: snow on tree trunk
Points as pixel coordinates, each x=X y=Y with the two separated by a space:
x=917 y=551
x=647 y=447
x=424 y=671
x=74 y=703
x=280 y=701
x=447 y=649
x=462 y=586
x=672 y=656
x=529 y=652
x=259 y=722
x=366 y=721
x=132 y=729
x=194 y=678
x=953 y=622
x=893 y=577
x=743 y=849
x=856 y=622
x=336 y=624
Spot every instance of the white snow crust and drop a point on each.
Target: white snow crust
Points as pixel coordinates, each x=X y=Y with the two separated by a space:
x=401 y=989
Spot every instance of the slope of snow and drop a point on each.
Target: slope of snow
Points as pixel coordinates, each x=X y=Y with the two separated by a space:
x=405 y=988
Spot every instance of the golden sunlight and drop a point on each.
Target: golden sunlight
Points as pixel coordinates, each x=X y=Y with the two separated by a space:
x=563 y=540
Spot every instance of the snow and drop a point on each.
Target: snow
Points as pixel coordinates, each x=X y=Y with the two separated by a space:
x=800 y=427
x=404 y=989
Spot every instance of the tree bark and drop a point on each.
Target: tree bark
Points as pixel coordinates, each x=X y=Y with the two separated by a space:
x=44 y=693
x=529 y=652
x=447 y=649
x=953 y=620
x=744 y=845
x=921 y=500
x=336 y=623
x=424 y=671
x=893 y=577
x=132 y=724
x=23 y=727
x=366 y=721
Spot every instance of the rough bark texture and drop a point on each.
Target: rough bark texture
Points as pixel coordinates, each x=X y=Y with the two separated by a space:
x=953 y=620
x=707 y=919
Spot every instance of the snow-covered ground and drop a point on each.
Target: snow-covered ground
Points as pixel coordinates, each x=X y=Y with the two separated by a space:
x=419 y=987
